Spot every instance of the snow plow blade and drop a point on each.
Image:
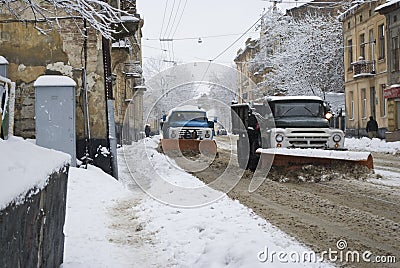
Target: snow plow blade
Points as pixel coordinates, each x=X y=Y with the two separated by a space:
x=296 y=158
x=207 y=147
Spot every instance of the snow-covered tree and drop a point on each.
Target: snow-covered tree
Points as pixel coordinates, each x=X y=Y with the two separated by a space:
x=154 y=66
x=98 y=14
x=303 y=55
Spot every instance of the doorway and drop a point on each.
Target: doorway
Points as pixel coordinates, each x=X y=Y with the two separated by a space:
x=372 y=101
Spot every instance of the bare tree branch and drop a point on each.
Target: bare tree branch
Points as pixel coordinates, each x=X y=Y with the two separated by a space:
x=100 y=15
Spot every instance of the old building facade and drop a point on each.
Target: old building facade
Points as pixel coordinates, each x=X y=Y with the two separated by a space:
x=247 y=78
x=391 y=11
x=251 y=75
x=365 y=63
x=63 y=50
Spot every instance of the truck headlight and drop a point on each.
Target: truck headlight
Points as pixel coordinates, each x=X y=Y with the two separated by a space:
x=207 y=135
x=336 y=138
x=173 y=134
x=328 y=115
x=279 y=138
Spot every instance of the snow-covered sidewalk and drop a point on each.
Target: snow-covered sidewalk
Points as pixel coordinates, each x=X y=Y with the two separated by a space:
x=372 y=145
x=108 y=225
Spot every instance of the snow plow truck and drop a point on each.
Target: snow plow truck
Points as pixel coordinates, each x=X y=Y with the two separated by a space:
x=290 y=131
x=187 y=129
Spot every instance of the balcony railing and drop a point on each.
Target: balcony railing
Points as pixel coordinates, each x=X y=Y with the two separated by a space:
x=363 y=68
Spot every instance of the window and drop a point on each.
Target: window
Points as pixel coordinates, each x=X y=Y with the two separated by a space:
x=361 y=18
x=383 y=101
x=394 y=18
x=362 y=45
x=348 y=25
x=351 y=105
x=371 y=43
x=364 y=102
x=369 y=13
x=395 y=54
x=350 y=53
x=381 y=41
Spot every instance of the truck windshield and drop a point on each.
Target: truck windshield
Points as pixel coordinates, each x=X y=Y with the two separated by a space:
x=188 y=116
x=296 y=109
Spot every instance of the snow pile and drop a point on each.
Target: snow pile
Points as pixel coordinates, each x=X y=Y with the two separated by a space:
x=314 y=173
x=216 y=234
x=25 y=166
x=372 y=145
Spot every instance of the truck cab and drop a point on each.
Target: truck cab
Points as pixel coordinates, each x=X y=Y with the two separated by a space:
x=302 y=122
x=283 y=122
x=187 y=122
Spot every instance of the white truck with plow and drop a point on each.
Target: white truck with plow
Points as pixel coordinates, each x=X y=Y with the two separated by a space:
x=277 y=128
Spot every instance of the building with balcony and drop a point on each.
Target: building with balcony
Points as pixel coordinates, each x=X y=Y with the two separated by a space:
x=365 y=63
x=391 y=11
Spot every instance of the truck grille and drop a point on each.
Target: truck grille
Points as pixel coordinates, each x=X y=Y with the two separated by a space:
x=308 y=139
x=186 y=133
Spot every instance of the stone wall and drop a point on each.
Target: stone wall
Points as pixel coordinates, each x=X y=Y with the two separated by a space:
x=31 y=233
x=32 y=54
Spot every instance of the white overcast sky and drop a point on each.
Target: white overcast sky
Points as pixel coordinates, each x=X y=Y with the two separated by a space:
x=200 y=18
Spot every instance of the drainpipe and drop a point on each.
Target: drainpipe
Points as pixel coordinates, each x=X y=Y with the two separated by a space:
x=111 y=139
x=86 y=100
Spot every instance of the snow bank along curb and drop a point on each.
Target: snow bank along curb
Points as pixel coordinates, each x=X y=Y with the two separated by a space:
x=33 y=186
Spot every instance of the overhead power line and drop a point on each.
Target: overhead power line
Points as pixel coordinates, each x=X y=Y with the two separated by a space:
x=193 y=38
x=162 y=24
x=237 y=39
x=169 y=19
x=180 y=18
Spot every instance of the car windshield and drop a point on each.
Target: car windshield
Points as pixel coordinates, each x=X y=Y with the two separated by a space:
x=188 y=116
x=296 y=109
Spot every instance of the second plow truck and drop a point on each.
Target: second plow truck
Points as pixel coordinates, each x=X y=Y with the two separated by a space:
x=187 y=129
x=290 y=131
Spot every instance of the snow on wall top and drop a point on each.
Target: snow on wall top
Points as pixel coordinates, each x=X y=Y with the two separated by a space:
x=3 y=60
x=24 y=166
x=387 y=4
x=54 y=80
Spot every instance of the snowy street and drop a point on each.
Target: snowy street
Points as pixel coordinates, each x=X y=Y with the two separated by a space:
x=131 y=229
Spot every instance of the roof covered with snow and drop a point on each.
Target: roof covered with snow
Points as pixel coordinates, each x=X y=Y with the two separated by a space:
x=54 y=80
x=349 y=11
x=281 y=98
x=25 y=166
x=189 y=108
x=387 y=4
